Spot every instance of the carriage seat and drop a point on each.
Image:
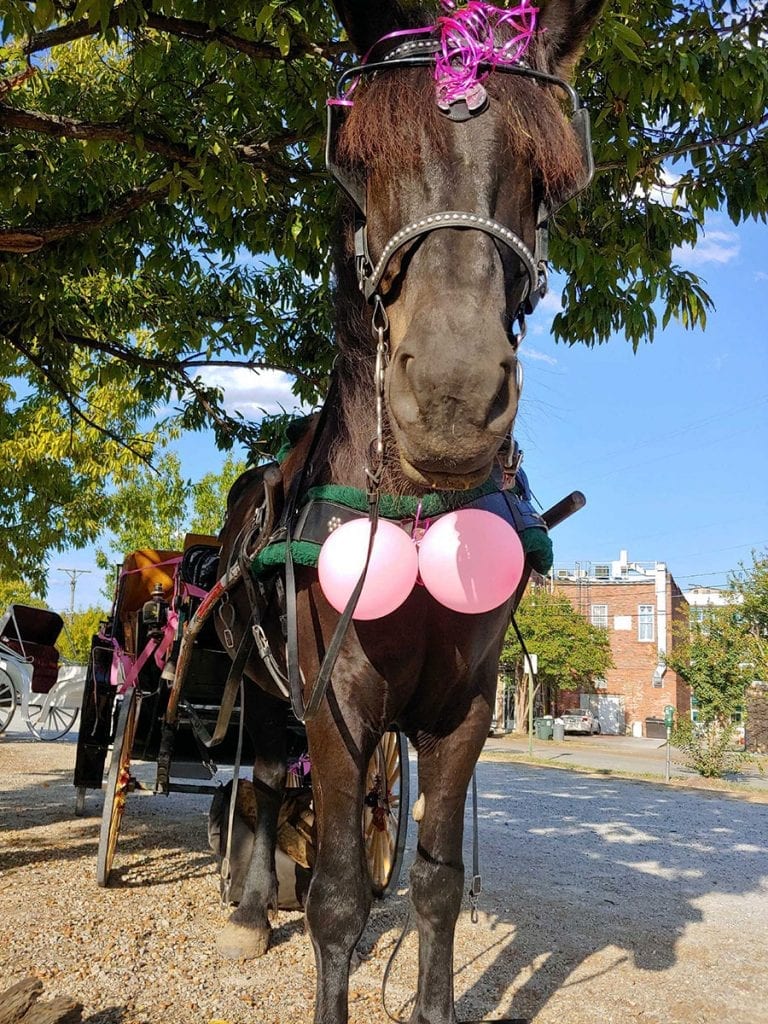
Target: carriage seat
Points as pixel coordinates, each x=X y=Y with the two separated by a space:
x=200 y=562
x=200 y=568
x=32 y=633
x=45 y=662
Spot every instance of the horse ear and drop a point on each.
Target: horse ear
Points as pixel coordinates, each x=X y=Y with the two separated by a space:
x=366 y=21
x=565 y=25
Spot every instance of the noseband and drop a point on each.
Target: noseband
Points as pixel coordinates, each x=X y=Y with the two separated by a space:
x=421 y=53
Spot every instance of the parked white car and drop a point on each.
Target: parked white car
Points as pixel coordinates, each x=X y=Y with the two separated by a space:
x=580 y=720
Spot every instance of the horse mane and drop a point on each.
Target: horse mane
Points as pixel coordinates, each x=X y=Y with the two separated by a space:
x=395 y=119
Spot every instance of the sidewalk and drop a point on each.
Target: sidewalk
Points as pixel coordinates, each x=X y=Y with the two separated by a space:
x=634 y=755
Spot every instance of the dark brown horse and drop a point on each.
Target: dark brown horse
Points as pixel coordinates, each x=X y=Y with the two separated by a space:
x=443 y=236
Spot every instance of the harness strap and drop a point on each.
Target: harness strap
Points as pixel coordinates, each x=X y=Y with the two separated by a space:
x=303 y=710
x=477 y=883
x=306 y=712
x=237 y=572
x=234 y=679
x=225 y=869
x=295 y=680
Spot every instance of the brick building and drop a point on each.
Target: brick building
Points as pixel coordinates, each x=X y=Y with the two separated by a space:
x=638 y=603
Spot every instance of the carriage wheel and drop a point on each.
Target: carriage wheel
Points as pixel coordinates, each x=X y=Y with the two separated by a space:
x=119 y=784
x=55 y=723
x=385 y=811
x=8 y=700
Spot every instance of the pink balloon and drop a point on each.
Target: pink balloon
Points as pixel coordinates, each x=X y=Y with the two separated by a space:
x=471 y=560
x=391 y=574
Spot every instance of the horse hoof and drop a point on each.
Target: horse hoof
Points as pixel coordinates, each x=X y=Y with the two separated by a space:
x=235 y=942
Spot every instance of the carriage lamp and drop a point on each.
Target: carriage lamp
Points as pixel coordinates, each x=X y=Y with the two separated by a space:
x=154 y=612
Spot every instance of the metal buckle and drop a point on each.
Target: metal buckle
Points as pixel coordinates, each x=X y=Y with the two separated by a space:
x=227 y=636
x=260 y=637
x=474 y=892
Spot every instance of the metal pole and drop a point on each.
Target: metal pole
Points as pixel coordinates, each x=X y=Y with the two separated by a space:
x=530 y=709
x=73 y=574
x=669 y=755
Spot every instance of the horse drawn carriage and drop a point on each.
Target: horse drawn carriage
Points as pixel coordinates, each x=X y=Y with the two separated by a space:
x=130 y=681
x=34 y=677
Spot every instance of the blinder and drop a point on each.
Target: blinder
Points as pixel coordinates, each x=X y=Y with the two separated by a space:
x=353 y=181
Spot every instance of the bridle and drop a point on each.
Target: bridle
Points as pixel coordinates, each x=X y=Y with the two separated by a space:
x=421 y=53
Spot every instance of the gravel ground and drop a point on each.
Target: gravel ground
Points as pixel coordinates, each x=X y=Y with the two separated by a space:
x=604 y=900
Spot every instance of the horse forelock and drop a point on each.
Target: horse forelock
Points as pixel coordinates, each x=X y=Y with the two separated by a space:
x=395 y=122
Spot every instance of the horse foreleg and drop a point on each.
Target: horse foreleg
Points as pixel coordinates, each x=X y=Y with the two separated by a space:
x=437 y=873
x=247 y=933
x=339 y=898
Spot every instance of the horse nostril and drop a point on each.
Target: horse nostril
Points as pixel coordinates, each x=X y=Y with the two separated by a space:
x=404 y=380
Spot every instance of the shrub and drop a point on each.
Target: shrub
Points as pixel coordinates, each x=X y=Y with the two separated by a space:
x=708 y=748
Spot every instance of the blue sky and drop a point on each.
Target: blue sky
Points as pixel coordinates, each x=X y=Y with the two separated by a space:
x=668 y=444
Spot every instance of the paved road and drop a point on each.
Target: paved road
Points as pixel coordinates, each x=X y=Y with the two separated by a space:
x=636 y=756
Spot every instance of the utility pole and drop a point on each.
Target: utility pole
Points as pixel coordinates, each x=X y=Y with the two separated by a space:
x=73 y=574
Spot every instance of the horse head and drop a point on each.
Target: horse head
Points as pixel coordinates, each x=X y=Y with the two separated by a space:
x=451 y=185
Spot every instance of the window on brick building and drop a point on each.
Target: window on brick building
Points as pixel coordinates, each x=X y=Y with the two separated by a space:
x=645 y=614
x=598 y=615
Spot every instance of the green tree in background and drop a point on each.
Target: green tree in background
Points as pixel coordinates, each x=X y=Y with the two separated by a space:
x=209 y=496
x=719 y=656
x=79 y=629
x=725 y=648
x=163 y=209
x=571 y=652
x=17 y=591
x=158 y=507
x=716 y=656
x=154 y=511
x=750 y=584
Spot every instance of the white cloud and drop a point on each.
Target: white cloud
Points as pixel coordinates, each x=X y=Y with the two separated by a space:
x=539 y=357
x=760 y=275
x=253 y=392
x=663 y=191
x=714 y=247
x=551 y=303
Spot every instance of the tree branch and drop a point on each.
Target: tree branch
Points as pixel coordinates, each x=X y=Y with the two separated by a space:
x=28 y=240
x=16 y=80
x=102 y=131
x=58 y=126
x=154 y=362
x=677 y=151
x=184 y=28
x=61 y=390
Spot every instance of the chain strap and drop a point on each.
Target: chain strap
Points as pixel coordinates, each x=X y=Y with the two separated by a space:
x=374 y=469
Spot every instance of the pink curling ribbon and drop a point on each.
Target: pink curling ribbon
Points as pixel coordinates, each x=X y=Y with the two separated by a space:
x=345 y=101
x=468 y=40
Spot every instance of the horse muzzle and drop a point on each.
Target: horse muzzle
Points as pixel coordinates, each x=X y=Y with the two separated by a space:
x=441 y=480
